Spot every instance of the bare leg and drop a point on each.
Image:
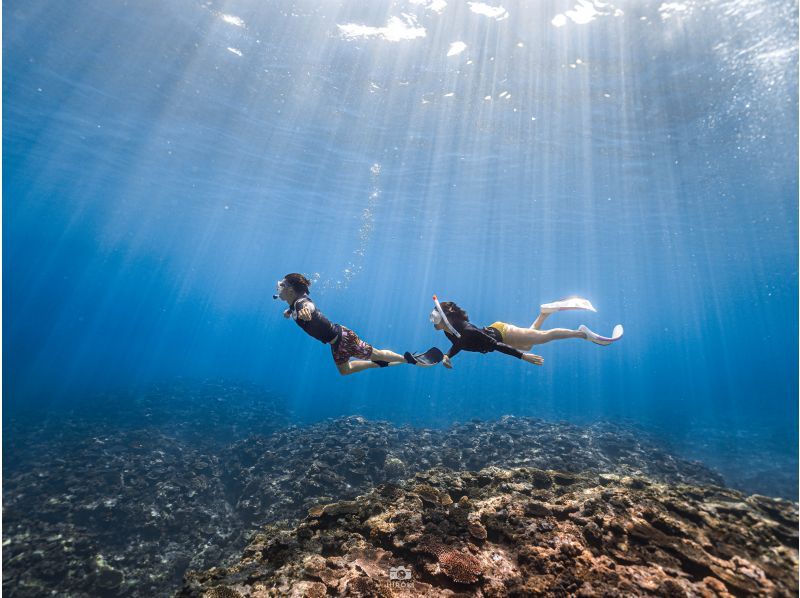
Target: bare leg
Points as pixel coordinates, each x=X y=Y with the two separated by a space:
x=359 y=365
x=355 y=366
x=537 y=324
x=524 y=338
x=386 y=355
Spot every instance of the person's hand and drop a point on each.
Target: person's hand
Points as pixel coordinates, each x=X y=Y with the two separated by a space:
x=446 y=362
x=304 y=314
x=287 y=313
x=534 y=359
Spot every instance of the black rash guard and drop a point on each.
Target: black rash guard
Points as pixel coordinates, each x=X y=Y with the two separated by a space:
x=320 y=327
x=478 y=340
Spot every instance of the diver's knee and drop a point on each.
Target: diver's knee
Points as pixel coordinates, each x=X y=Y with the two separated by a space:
x=344 y=369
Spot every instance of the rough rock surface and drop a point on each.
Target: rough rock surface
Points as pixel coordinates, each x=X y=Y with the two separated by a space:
x=281 y=476
x=123 y=497
x=523 y=532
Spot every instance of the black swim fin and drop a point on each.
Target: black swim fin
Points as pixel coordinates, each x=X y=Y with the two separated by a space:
x=432 y=356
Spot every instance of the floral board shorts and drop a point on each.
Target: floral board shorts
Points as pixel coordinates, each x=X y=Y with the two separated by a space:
x=349 y=345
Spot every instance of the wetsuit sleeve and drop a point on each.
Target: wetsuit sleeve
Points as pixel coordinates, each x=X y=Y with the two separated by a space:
x=457 y=344
x=508 y=350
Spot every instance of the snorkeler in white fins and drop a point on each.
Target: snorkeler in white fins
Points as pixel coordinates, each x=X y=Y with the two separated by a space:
x=507 y=338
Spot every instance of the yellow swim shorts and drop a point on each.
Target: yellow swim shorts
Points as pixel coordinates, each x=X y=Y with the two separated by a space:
x=500 y=327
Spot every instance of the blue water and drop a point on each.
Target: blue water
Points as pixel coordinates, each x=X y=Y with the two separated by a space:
x=166 y=162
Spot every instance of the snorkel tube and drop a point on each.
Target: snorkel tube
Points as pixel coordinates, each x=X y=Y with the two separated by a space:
x=445 y=321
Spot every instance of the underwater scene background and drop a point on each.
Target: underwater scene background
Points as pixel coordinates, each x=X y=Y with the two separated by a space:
x=165 y=163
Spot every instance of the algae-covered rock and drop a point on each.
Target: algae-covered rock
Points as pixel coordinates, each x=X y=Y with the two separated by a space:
x=181 y=478
x=507 y=536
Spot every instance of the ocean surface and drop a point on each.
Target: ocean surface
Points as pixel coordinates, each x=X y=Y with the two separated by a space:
x=166 y=162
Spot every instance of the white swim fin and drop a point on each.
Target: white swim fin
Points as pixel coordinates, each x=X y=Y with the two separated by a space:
x=602 y=340
x=567 y=304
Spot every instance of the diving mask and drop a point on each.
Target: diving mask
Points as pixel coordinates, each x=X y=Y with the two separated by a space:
x=279 y=286
x=439 y=312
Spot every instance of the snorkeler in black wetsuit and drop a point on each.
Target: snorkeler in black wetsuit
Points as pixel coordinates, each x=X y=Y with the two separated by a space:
x=318 y=326
x=480 y=340
x=345 y=343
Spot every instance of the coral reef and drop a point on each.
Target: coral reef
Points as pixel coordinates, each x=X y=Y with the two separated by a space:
x=122 y=497
x=547 y=534
x=279 y=476
x=123 y=493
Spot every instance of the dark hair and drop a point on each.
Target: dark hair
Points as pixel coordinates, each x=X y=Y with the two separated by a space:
x=298 y=282
x=454 y=313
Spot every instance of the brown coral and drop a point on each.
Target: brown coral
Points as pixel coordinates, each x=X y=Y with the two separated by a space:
x=594 y=539
x=476 y=530
x=458 y=566
x=427 y=493
x=221 y=592
x=368 y=587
